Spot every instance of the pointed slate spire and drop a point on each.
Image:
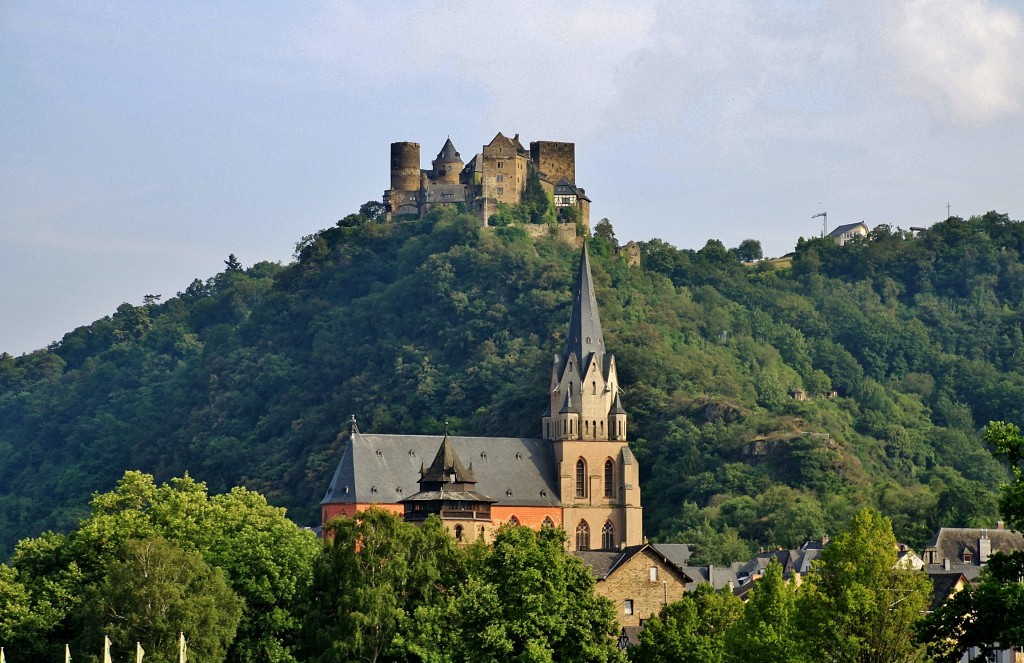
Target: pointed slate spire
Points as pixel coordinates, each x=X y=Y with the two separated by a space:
x=446 y=463
x=585 y=338
x=448 y=153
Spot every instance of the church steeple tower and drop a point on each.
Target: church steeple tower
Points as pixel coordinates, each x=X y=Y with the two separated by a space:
x=586 y=423
x=585 y=402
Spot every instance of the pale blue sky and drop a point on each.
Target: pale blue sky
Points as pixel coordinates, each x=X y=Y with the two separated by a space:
x=141 y=143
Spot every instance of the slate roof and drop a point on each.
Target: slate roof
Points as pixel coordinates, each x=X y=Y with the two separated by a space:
x=677 y=553
x=950 y=543
x=603 y=563
x=839 y=230
x=512 y=471
x=943 y=585
x=448 y=153
x=585 y=338
x=565 y=187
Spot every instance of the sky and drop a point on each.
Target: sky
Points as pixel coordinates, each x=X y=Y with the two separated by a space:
x=142 y=143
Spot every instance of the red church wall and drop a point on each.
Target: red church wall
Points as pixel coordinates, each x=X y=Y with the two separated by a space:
x=528 y=516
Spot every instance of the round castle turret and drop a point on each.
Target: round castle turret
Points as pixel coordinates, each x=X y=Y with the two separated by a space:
x=448 y=164
x=405 y=166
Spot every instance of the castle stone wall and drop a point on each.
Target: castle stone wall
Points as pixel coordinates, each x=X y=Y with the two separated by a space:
x=554 y=159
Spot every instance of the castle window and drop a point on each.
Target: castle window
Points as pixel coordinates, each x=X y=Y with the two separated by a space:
x=501 y=178
x=609 y=478
x=583 y=536
x=458 y=532
x=608 y=536
x=501 y=190
x=594 y=385
x=586 y=427
x=581 y=478
x=501 y=164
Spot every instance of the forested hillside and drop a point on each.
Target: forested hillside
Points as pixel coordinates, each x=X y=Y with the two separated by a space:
x=248 y=377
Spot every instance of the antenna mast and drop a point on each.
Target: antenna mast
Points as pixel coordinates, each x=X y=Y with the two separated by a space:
x=824 y=223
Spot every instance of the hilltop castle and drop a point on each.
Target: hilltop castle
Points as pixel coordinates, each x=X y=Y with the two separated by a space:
x=497 y=174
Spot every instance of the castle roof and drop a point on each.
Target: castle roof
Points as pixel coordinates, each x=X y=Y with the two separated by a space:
x=448 y=154
x=565 y=187
x=384 y=469
x=585 y=338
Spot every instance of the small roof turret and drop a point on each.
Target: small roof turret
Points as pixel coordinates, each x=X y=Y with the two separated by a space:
x=446 y=467
x=617 y=405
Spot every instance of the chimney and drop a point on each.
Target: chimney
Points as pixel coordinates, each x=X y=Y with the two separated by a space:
x=984 y=547
x=1000 y=524
x=945 y=564
x=711 y=575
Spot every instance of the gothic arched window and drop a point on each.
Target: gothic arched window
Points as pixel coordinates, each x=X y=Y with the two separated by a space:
x=583 y=536
x=581 y=478
x=608 y=536
x=609 y=478
x=513 y=520
x=547 y=522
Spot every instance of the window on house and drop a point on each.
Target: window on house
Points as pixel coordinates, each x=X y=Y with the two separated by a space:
x=501 y=164
x=501 y=178
x=547 y=522
x=608 y=536
x=501 y=190
x=653 y=573
x=581 y=478
x=458 y=532
x=513 y=520
x=627 y=607
x=583 y=536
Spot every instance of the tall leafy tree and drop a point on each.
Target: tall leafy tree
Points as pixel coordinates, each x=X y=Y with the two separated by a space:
x=532 y=602
x=858 y=603
x=767 y=631
x=376 y=586
x=153 y=590
x=691 y=630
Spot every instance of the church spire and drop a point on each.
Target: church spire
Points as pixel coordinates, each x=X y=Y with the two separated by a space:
x=585 y=338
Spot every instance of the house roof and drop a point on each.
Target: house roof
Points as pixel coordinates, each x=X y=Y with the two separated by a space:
x=447 y=466
x=951 y=542
x=604 y=563
x=839 y=230
x=944 y=586
x=384 y=469
x=564 y=187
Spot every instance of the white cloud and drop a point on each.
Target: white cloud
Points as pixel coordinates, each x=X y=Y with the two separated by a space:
x=962 y=56
x=534 y=61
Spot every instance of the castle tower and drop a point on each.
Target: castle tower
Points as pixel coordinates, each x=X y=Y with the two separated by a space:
x=448 y=164
x=448 y=490
x=587 y=425
x=405 y=166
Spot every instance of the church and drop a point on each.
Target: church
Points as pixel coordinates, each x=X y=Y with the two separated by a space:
x=579 y=475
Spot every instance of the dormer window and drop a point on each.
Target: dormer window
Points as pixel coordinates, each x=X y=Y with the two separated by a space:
x=966 y=556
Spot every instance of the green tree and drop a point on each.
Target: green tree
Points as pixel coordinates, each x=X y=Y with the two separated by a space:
x=767 y=631
x=376 y=587
x=604 y=230
x=155 y=590
x=857 y=603
x=990 y=615
x=691 y=630
x=748 y=250
x=266 y=558
x=532 y=602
